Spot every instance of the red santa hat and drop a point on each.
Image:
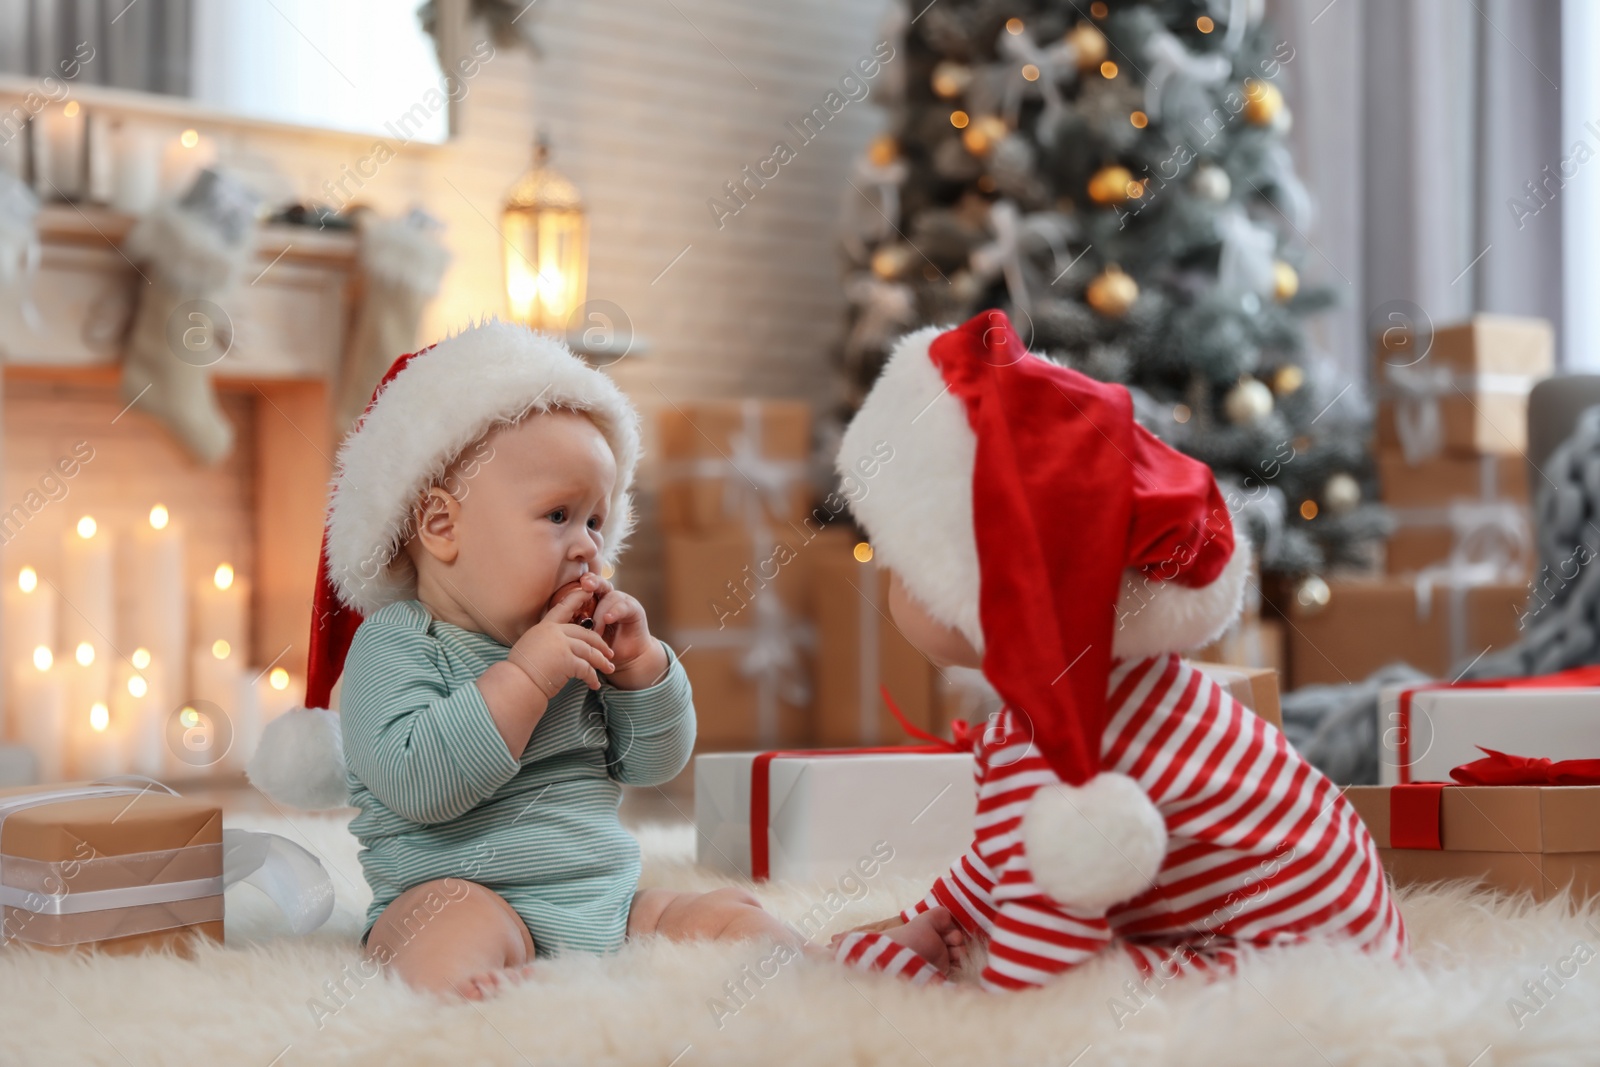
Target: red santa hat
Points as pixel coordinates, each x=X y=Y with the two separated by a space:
x=1025 y=507
x=426 y=411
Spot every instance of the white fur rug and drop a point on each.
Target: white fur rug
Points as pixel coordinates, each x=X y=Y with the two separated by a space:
x=266 y=999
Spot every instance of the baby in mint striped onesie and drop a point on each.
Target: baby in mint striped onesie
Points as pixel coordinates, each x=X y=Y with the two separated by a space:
x=491 y=721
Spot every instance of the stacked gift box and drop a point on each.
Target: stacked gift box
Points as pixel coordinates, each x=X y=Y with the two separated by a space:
x=1496 y=782
x=1251 y=640
x=775 y=604
x=1452 y=431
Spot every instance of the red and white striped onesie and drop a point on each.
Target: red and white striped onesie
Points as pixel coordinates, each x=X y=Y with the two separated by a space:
x=1262 y=849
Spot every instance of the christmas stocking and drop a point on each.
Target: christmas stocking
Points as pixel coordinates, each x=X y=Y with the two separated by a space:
x=191 y=253
x=403 y=263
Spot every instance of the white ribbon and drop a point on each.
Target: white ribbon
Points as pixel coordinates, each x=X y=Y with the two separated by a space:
x=1057 y=63
x=1245 y=265
x=1003 y=255
x=292 y=877
x=1168 y=58
x=772 y=644
x=1416 y=389
x=1490 y=540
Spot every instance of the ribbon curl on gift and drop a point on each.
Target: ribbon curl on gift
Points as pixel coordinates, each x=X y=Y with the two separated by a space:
x=1577 y=678
x=1500 y=768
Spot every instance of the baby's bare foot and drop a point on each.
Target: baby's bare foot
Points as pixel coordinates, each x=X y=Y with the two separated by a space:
x=935 y=936
x=492 y=983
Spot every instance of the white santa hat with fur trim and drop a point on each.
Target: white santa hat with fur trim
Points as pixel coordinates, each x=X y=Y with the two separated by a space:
x=1025 y=508
x=428 y=409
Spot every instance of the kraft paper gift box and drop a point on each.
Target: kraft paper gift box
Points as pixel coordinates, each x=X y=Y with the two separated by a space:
x=736 y=618
x=860 y=649
x=827 y=810
x=1535 y=839
x=1473 y=379
x=1254 y=687
x=720 y=458
x=1426 y=731
x=122 y=869
x=1369 y=624
x=1448 y=477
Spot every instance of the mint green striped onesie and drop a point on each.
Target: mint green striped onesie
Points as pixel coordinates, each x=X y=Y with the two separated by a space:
x=441 y=796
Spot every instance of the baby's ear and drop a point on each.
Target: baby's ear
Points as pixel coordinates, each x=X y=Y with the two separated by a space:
x=435 y=517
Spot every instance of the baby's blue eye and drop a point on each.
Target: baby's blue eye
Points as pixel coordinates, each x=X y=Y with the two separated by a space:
x=594 y=523
x=559 y=515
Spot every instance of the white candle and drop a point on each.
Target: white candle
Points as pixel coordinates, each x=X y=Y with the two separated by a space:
x=58 y=162
x=30 y=621
x=217 y=674
x=157 y=605
x=279 y=692
x=99 y=750
x=138 y=702
x=221 y=607
x=88 y=611
x=246 y=718
x=40 y=714
x=135 y=169
x=182 y=159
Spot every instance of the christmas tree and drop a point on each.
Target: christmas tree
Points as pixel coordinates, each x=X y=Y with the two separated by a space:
x=1115 y=176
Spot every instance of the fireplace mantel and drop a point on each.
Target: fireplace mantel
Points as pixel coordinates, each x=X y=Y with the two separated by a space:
x=291 y=317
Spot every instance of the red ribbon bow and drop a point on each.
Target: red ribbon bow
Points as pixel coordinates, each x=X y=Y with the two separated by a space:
x=1498 y=768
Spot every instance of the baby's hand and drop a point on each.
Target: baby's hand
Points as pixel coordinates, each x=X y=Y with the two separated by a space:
x=620 y=620
x=556 y=648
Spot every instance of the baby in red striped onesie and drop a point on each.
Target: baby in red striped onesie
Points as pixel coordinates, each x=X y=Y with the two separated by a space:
x=1126 y=802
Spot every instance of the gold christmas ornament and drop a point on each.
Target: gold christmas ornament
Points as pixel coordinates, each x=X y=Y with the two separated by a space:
x=950 y=79
x=1109 y=185
x=1342 y=493
x=1248 y=402
x=890 y=261
x=1288 y=378
x=1312 y=595
x=985 y=132
x=1285 y=281
x=1088 y=45
x=1112 y=293
x=883 y=150
x=1263 y=101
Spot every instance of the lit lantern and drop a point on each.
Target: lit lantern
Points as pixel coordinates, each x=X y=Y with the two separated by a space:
x=547 y=247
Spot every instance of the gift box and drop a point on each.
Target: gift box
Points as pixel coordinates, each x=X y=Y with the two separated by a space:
x=724 y=459
x=735 y=610
x=1447 y=477
x=1425 y=731
x=1431 y=625
x=1254 y=687
x=1492 y=533
x=1467 y=391
x=124 y=869
x=1535 y=839
x=860 y=650
x=813 y=816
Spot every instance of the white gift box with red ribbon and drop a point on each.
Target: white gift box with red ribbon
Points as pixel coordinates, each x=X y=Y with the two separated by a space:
x=812 y=815
x=1424 y=731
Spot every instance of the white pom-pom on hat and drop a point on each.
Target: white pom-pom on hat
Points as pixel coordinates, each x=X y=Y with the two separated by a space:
x=300 y=760
x=1096 y=845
